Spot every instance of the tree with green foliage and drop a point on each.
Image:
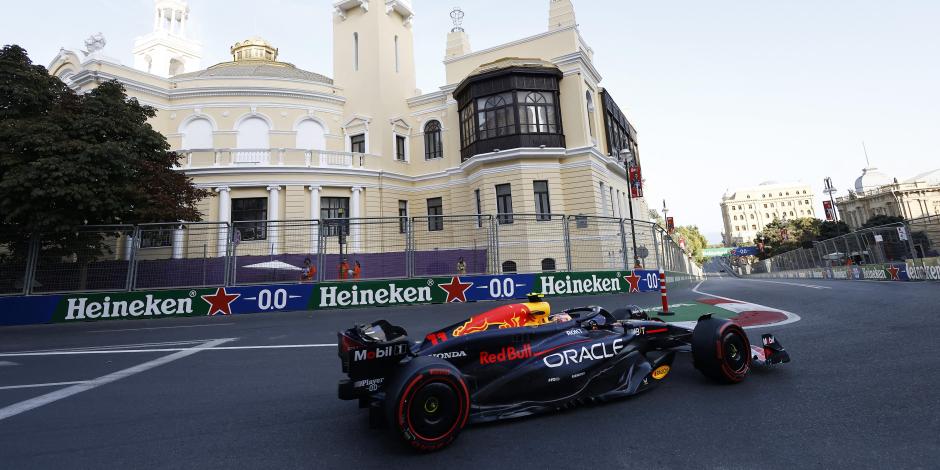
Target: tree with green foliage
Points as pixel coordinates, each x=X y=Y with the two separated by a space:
x=657 y=218
x=695 y=242
x=829 y=230
x=879 y=220
x=69 y=159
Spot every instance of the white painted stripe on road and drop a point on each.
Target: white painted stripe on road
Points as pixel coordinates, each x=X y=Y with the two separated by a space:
x=811 y=286
x=8 y=363
x=66 y=392
x=51 y=384
x=113 y=346
x=160 y=328
x=198 y=348
x=791 y=317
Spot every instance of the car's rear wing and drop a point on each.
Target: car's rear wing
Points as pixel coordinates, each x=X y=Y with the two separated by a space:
x=368 y=354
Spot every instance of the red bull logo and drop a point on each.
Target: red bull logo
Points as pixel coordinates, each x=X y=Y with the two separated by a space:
x=507 y=316
x=508 y=353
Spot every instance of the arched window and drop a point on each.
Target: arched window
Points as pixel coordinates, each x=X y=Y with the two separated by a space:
x=548 y=264
x=537 y=115
x=496 y=116
x=433 y=147
x=253 y=134
x=310 y=135
x=176 y=67
x=197 y=134
x=509 y=266
x=355 y=51
x=590 y=111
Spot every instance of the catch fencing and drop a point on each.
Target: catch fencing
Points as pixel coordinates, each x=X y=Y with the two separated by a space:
x=913 y=242
x=205 y=254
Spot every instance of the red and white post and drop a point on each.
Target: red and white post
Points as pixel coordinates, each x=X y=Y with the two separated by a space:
x=662 y=291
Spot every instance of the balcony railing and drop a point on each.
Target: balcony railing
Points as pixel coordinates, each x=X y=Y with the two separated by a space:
x=206 y=158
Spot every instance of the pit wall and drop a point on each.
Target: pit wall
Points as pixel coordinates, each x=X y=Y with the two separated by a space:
x=922 y=270
x=221 y=301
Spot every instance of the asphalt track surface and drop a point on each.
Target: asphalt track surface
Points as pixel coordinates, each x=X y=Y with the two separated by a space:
x=861 y=392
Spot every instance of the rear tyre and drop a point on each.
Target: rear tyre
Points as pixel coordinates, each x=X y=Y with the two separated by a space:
x=427 y=403
x=721 y=350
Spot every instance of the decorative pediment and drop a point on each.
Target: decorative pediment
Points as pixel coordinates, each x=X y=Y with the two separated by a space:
x=399 y=124
x=357 y=123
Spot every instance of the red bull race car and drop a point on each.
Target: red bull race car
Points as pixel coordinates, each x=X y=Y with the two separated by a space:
x=520 y=359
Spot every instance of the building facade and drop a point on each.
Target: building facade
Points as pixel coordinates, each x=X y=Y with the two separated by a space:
x=746 y=211
x=524 y=127
x=876 y=193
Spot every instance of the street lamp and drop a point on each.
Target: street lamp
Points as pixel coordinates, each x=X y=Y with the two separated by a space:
x=629 y=162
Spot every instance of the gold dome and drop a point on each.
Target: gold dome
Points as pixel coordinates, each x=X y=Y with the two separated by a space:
x=254 y=48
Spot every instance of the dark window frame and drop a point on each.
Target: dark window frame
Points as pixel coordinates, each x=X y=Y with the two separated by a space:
x=329 y=210
x=509 y=130
x=401 y=148
x=433 y=145
x=504 y=203
x=543 y=203
x=402 y=216
x=248 y=221
x=479 y=201
x=435 y=214
x=357 y=140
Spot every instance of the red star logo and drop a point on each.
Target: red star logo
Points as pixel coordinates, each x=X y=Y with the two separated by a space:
x=894 y=273
x=634 y=281
x=220 y=302
x=456 y=290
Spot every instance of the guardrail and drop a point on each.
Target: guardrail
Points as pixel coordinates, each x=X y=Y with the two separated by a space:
x=911 y=246
x=263 y=252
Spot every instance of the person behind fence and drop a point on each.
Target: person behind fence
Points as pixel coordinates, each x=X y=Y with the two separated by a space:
x=357 y=271
x=309 y=271
x=343 y=269
x=461 y=266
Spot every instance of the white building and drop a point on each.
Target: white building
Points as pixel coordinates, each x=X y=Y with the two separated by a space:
x=746 y=211
x=876 y=193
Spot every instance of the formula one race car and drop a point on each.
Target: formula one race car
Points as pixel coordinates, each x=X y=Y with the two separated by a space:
x=519 y=359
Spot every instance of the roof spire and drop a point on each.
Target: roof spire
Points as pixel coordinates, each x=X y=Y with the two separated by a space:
x=867 y=161
x=458 y=41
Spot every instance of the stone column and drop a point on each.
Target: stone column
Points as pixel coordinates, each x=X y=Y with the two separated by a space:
x=274 y=205
x=225 y=215
x=355 y=213
x=314 y=215
x=178 y=233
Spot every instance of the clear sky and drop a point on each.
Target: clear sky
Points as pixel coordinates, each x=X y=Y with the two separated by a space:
x=723 y=93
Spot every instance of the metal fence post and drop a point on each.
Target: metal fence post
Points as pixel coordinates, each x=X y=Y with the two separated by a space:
x=655 y=233
x=567 y=232
x=623 y=244
x=32 y=257
x=132 y=262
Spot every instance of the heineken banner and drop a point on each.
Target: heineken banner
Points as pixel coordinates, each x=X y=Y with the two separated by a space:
x=222 y=301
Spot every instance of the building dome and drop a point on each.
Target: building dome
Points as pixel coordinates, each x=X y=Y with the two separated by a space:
x=871 y=178
x=255 y=57
x=254 y=48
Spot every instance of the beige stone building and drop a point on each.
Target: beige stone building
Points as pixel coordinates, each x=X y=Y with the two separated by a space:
x=876 y=193
x=524 y=127
x=746 y=211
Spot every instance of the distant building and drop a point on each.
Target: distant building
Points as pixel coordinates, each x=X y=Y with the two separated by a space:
x=879 y=194
x=746 y=211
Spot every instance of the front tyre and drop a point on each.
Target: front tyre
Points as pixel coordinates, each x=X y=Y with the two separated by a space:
x=427 y=403
x=721 y=350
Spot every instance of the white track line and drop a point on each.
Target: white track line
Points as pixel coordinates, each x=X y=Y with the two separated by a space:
x=197 y=348
x=8 y=363
x=791 y=317
x=811 y=286
x=160 y=328
x=66 y=392
x=52 y=384
x=113 y=346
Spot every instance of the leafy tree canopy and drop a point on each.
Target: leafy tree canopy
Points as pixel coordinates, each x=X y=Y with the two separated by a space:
x=69 y=159
x=879 y=220
x=695 y=242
